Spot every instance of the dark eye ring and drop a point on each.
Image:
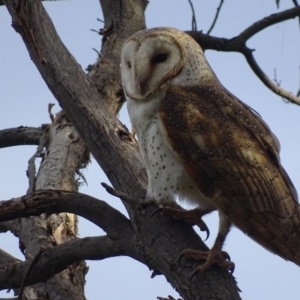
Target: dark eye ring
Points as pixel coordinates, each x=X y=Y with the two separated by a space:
x=160 y=58
x=129 y=64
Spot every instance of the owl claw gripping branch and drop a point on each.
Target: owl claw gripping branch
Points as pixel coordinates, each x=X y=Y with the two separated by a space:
x=192 y=217
x=201 y=144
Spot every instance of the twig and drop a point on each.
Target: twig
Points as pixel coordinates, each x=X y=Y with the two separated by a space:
x=268 y=21
x=278 y=82
x=31 y=173
x=98 y=53
x=31 y=162
x=33 y=263
x=119 y=194
x=266 y=80
x=216 y=18
x=50 y=105
x=194 y=22
x=169 y=298
x=296 y=4
x=238 y=44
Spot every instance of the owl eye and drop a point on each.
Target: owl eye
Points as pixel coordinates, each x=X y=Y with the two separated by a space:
x=160 y=58
x=129 y=65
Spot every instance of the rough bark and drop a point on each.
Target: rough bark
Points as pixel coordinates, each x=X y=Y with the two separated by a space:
x=20 y=136
x=91 y=108
x=63 y=154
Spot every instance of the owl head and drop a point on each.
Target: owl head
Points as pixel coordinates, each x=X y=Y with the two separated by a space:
x=152 y=59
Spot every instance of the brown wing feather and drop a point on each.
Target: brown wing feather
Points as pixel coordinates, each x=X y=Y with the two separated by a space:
x=221 y=139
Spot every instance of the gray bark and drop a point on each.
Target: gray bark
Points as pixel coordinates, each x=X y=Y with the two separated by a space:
x=63 y=153
x=20 y=136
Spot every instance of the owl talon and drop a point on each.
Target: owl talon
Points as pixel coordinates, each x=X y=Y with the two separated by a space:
x=212 y=257
x=204 y=228
x=192 y=217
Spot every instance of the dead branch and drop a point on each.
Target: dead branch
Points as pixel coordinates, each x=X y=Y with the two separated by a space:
x=59 y=258
x=194 y=21
x=20 y=136
x=267 y=81
x=31 y=266
x=52 y=201
x=120 y=195
x=6 y=258
x=238 y=44
x=268 y=21
x=215 y=18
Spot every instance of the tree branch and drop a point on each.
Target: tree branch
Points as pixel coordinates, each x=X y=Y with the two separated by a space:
x=268 y=21
x=215 y=18
x=297 y=4
x=59 y=258
x=194 y=21
x=52 y=201
x=6 y=258
x=238 y=44
x=20 y=136
x=267 y=81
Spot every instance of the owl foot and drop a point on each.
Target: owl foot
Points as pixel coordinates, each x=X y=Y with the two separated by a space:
x=192 y=216
x=212 y=257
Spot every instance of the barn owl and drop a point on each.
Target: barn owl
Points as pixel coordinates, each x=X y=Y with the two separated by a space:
x=203 y=145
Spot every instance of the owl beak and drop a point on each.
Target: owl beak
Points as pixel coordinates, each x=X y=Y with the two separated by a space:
x=143 y=86
x=142 y=75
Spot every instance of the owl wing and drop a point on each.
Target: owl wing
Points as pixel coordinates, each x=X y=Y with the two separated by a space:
x=233 y=157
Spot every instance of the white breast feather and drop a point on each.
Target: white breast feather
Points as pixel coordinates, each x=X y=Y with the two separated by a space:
x=166 y=174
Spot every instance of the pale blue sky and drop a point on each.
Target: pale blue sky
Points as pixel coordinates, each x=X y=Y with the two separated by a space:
x=24 y=99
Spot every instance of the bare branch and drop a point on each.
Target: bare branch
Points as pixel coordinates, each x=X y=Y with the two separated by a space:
x=31 y=170
x=278 y=82
x=267 y=81
x=194 y=21
x=169 y=298
x=5 y=226
x=120 y=195
x=238 y=44
x=31 y=266
x=20 y=136
x=277 y=3
x=52 y=201
x=1 y=1
x=6 y=258
x=297 y=4
x=268 y=21
x=59 y=258
x=215 y=18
